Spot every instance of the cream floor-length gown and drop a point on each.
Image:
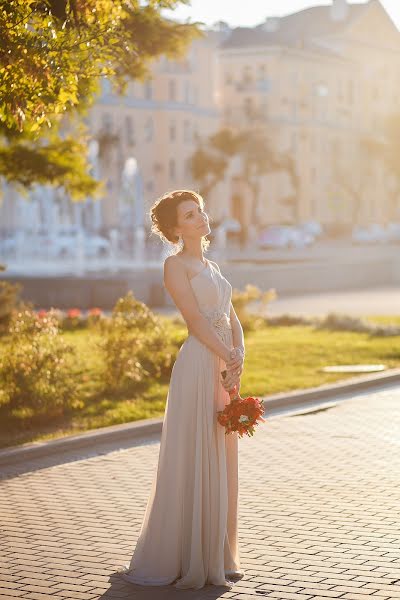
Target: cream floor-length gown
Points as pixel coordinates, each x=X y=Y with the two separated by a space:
x=189 y=531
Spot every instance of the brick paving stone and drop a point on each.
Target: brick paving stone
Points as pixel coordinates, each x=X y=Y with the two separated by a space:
x=318 y=513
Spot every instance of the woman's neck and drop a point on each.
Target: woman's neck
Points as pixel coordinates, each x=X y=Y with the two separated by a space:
x=194 y=252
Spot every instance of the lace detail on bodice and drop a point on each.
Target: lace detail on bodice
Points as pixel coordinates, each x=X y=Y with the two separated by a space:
x=219 y=319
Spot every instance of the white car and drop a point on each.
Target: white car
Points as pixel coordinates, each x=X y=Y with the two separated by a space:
x=312 y=227
x=230 y=225
x=370 y=234
x=95 y=245
x=284 y=236
x=8 y=245
x=66 y=241
x=393 y=232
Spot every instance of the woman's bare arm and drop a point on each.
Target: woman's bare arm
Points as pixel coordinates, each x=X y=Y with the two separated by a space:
x=237 y=330
x=178 y=285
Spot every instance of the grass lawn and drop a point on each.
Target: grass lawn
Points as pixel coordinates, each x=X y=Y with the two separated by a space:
x=278 y=359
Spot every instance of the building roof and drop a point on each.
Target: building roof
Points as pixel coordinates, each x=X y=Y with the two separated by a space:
x=295 y=28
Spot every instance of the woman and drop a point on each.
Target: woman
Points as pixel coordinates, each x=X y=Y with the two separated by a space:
x=189 y=531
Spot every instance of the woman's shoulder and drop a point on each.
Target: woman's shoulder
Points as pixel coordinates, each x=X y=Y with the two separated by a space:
x=172 y=261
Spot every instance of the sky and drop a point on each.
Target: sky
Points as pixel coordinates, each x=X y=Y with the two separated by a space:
x=248 y=13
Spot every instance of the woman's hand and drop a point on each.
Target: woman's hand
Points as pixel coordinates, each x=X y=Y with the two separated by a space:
x=235 y=363
x=231 y=381
x=234 y=370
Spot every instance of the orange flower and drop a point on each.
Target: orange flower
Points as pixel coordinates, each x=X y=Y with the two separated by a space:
x=241 y=414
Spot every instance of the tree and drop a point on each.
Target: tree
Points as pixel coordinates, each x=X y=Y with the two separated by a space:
x=385 y=147
x=53 y=54
x=354 y=178
x=210 y=160
x=370 y=152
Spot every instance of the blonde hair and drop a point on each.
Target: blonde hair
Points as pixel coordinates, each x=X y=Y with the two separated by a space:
x=163 y=215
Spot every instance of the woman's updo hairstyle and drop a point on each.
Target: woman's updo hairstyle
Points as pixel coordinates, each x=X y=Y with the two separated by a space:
x=164 y=216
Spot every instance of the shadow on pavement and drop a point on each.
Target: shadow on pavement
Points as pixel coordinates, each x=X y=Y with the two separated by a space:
x=121 y=589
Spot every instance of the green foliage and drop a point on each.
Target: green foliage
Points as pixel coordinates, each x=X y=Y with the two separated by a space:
x=8 y=302
x=35 y=368
x=278 y=359
x=134 y=344
x=287 y=319
x=52 y=56
x=342 y=322
x=241 y=300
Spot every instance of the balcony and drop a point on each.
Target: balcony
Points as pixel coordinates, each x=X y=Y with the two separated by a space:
x=261 y=85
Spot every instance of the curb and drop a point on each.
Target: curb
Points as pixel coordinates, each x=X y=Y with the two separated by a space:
x=145 y=427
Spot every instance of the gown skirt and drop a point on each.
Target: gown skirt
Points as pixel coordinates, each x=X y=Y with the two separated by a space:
x=189 y=533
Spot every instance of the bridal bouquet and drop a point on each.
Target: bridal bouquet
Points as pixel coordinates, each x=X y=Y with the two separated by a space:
x=241 y=414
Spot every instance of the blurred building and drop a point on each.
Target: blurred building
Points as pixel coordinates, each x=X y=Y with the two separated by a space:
x=158 y=123
x=317 y=82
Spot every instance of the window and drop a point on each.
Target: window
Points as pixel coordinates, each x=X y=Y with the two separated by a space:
x=187 y=92
x=106 y=121
x=172 y=131
x=228 y=78
x=247 y=77
x=262 y=73
x=248 y=107
x=350 y=91
x=313 y=174
x=187 y=168
x=149 y=130
x=186 y=131
x=172 y=169
x=129 y=131
x=172 y=90
x=148 y=90
x=293 y=142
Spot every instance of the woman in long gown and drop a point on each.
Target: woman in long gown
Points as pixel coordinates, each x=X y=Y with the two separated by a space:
x=189 y=533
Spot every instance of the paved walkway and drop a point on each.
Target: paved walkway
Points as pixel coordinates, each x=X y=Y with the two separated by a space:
x=319 y=513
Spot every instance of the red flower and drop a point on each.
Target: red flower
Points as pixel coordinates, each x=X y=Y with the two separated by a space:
x=41 y=313
x=241 y=414
x=72 y=313
x=95 y=312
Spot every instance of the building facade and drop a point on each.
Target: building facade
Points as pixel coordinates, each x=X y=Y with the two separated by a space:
x=318 y=82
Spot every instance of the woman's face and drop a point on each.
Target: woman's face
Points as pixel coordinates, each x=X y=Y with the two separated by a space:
x=192 y=220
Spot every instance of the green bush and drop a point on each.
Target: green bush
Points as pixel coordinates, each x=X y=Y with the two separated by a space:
x=287 y=319
x=342 y=322
x=8 y=302
x=241 y=300
x=135 y=346
x=35 y=372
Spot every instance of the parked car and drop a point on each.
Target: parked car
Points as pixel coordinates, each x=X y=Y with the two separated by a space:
x=65 y=243
x=95 y=245
x=393 y=231
x=8 y=245
x=370 y=234
x=284 y=236
x=312 y=227
x=230 y=225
